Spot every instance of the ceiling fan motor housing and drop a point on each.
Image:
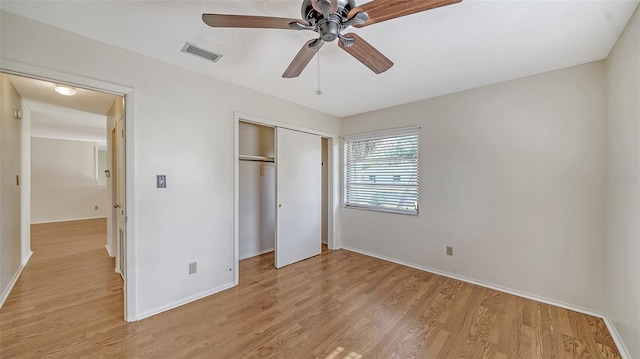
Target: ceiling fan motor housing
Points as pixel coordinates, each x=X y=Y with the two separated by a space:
x=328 y=28
x=313 y=17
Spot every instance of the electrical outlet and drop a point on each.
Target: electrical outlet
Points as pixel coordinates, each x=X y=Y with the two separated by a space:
x=449 y=251
x=193 y=267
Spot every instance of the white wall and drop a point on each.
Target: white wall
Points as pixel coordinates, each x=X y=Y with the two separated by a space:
x=10 y=251
x=511 y=176
x=182 y=125
x=63 y=184
x=623 y=172
x=256 y=208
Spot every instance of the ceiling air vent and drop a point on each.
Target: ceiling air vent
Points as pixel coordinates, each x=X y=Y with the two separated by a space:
x=194 y=50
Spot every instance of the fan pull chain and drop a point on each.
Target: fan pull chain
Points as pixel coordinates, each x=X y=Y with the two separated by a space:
x=318 y=91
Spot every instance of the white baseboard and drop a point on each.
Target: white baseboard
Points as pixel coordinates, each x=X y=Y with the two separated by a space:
x=13 y=281
x=177 y=303
x=26 y=259
x=257 y=253
x=109 y=251
x=612 y=330
x=624 y=352
x=69 y=220
x=499 y=288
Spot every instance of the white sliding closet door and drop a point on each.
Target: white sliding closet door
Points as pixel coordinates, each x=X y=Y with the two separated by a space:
x=298 y=196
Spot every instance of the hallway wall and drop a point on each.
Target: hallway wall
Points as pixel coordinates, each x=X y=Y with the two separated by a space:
x=10 y=253
x=623 y=186
x=63 y=186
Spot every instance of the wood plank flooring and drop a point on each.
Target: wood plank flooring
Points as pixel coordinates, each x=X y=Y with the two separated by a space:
x=339 y=305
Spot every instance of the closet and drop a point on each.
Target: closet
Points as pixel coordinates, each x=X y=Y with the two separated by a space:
x=282 y=193
x=256 y=190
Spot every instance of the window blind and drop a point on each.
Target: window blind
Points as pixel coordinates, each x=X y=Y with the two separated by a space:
x=382 y=172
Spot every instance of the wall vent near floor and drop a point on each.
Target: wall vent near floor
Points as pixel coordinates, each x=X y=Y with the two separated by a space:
x=194 y=50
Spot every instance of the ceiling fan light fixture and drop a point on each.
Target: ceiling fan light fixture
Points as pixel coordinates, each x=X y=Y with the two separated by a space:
x=65 y=90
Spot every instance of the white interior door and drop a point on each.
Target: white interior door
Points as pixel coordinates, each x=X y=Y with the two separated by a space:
x=298 y=196
x=115 y=199
x=119 y=195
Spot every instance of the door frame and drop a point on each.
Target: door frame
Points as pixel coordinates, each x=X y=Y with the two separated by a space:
x=21 y=69
x=113 y=174
x=117 y=190
x=333 y=178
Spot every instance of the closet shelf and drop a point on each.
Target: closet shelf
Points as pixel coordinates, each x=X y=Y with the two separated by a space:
x=255 y=158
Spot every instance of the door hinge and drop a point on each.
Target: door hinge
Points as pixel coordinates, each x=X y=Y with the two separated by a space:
x=122 y=133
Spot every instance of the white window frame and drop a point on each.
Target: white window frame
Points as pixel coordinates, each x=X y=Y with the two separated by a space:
x=414 y=185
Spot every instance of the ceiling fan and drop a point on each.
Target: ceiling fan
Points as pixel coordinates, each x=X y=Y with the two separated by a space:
x=329 y=18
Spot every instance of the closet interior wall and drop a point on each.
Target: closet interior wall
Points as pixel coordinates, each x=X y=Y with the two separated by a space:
x=256 y=232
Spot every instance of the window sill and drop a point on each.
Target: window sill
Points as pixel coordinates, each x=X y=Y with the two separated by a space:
x=383 y=210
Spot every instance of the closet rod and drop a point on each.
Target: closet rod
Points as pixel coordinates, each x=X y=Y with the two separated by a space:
x=267 y=161
x=256 y=158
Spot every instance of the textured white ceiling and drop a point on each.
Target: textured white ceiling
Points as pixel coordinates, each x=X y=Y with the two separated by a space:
x=446 y=50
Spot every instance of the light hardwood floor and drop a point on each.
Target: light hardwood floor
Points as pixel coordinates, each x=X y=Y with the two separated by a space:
x=339 y=305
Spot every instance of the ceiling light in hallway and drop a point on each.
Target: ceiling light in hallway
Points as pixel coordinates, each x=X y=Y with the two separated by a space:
x=65 y=90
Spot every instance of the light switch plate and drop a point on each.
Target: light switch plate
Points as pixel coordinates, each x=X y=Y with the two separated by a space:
x=161 y=181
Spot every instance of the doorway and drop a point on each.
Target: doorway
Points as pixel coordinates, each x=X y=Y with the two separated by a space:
x=260 y=214
x=39 y=107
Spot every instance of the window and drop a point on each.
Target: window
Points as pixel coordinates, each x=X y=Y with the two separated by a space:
x=99 y=166
x=381 y=171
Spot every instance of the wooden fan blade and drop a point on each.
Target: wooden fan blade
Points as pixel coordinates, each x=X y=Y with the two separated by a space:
x=261 y=22
x=367 y=54
x=383 y=10
x=306 y=53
